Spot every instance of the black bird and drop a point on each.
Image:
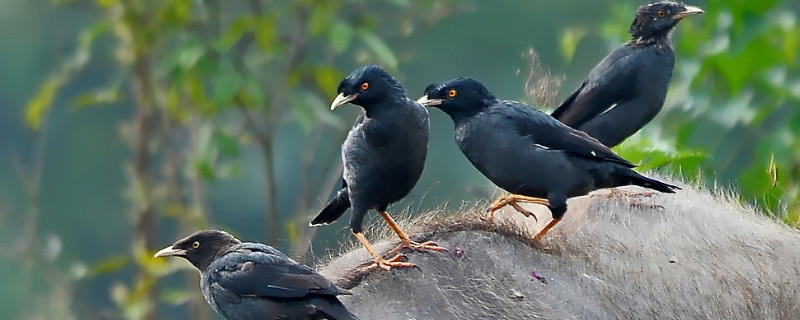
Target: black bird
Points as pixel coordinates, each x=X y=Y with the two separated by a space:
x=255 y=281
x=628 y=87
x=383 y=155
x=528 y=153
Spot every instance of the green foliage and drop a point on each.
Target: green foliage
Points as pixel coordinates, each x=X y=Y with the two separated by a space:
x=570 y=38
x=37 y=107
x=649 y=155
x=379 y=48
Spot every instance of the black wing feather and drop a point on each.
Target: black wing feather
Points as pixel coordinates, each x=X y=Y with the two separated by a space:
x=253 y=269
x=545 y=131
x=610 y=82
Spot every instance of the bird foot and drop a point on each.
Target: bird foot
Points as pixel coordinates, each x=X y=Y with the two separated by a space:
x=512 y=201
x=413 y=245
x=398 y=261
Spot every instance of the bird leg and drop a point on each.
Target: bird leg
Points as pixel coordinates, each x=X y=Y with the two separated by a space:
x=511 y=200
x=405 y=241
x=546 y=228
x=380 y=262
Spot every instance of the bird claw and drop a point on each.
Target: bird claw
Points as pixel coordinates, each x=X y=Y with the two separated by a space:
x=524 y=212
x=427 y=245
x=398 y=261
x=504 y=201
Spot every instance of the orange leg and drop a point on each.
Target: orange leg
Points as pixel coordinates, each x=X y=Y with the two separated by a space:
x=380 y=262
x=546 y=228
x=511 y=200
x=405 y=241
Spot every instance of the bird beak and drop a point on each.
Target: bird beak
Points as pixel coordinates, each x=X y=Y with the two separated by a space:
x=427 y=102
x=688 y=11
x=169 y=251
x=342 y=99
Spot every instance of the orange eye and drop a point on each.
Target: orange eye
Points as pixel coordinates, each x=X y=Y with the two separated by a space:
x=196 y=245
x=661 y=13
x=451 y=93
x=365 y=86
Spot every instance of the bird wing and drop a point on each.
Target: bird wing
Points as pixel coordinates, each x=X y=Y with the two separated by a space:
x=546 y=132
x=609 y=83
x=252 y=269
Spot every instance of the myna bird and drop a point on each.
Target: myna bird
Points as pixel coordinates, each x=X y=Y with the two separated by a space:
x=248 y=281
x=628 y=87
x=383 y=155
x=528 y=153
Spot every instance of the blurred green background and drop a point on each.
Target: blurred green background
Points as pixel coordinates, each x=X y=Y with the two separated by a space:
x=126 y=124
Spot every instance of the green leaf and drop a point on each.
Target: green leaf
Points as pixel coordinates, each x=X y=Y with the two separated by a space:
x=266 y=33
x=250 y=94
x=189 y=56
x=196 y=90
x=651 y=155
x=327 y=77
x=205 y=170
x=340 y=37
x=309 y=109
x=174 y=107
x=97 y=98
x=176 y=297
x=226 y=85
x=569 y=41
x=320 y=20
x=227 y=145
x=109 y=265
x=41 y=102
x=381 y=50
x=240 y=26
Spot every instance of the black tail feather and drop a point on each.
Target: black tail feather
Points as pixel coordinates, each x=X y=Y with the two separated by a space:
x=329 y=307
x=654 y=184
x=334 y=210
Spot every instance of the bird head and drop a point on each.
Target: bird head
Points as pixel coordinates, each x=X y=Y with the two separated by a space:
x=458 y=97
x=200 y=248
x=656 y=20
x=367 y=86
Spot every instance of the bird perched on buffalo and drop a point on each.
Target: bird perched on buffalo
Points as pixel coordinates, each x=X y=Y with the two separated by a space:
x=528 y=153
x=246 y=280
x=628 y=87
x=383 y=155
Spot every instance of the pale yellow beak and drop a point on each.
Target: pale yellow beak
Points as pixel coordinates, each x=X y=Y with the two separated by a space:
x=688 y=11
x=426 y=102
x=169 y=251
x=342 y=99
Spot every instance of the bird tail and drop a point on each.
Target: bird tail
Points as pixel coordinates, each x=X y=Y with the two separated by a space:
x=642 y=181
x=334 y=210
x=329 y=307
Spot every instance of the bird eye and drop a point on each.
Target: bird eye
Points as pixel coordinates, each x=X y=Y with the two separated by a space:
x=451 y=93
x=661 y=13
x=196 y=245
x=365 y=86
